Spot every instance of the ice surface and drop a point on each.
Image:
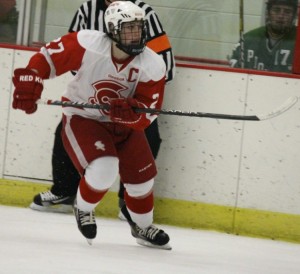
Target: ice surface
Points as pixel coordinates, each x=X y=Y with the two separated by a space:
x=49 y=243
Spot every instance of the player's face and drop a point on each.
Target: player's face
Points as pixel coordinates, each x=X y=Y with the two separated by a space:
x=131 y=32
x=108 y=2
x=281 y=17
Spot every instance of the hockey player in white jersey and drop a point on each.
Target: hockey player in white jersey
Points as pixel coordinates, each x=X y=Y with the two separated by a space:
x=90 y=15
x=115 y=69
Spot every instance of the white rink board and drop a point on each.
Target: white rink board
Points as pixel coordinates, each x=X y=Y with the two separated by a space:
x=270 y=164
x=30 y=137
x=234 y=163
x=6 y=62
x=199 y=157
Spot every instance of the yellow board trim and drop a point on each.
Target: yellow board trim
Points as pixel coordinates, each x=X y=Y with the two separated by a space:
x=246 y=222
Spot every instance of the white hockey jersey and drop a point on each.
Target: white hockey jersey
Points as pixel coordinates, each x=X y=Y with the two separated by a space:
x=99 y=76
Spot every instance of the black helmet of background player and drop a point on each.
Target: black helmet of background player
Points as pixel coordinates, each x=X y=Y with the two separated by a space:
x=283 y=24
x=120 y=14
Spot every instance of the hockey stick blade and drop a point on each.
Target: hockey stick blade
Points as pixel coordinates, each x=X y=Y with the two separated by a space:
x=291 y=101
x=287 y=105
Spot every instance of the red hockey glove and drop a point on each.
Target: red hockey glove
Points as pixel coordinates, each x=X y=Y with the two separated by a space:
x=28 y=89
x=121 y=111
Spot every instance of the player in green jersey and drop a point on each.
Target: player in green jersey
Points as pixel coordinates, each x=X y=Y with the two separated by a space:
x=270 y=47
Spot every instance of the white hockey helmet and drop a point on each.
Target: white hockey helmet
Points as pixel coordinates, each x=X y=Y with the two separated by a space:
x=120 y=12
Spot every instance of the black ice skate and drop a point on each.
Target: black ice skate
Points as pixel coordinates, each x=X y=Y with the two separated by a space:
x=86 y=223
x=49 y=202
x=150 y=236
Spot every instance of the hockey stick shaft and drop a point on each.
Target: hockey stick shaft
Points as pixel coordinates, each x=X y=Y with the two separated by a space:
x=287 y=105
x=242 y=42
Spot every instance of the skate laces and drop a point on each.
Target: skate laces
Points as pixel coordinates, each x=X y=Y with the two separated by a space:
x=49 y=196
x=149 y=232
x=86 y=218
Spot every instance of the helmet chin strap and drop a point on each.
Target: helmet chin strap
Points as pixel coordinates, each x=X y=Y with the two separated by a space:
x=132 y=51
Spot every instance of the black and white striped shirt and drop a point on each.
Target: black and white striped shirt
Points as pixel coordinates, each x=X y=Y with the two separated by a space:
x=90 y=15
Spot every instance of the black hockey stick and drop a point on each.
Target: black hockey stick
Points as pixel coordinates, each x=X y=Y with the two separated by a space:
x=242 y=41
x=284 y=107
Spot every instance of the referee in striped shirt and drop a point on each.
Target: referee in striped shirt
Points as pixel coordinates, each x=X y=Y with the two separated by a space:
x=90 y=15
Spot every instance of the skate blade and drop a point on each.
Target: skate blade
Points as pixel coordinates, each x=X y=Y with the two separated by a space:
x=90 y=241
x=54 y=209
x=148 y=244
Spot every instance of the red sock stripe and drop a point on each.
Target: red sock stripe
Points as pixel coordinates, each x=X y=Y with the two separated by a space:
x=89 y=194
x=139 y=206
